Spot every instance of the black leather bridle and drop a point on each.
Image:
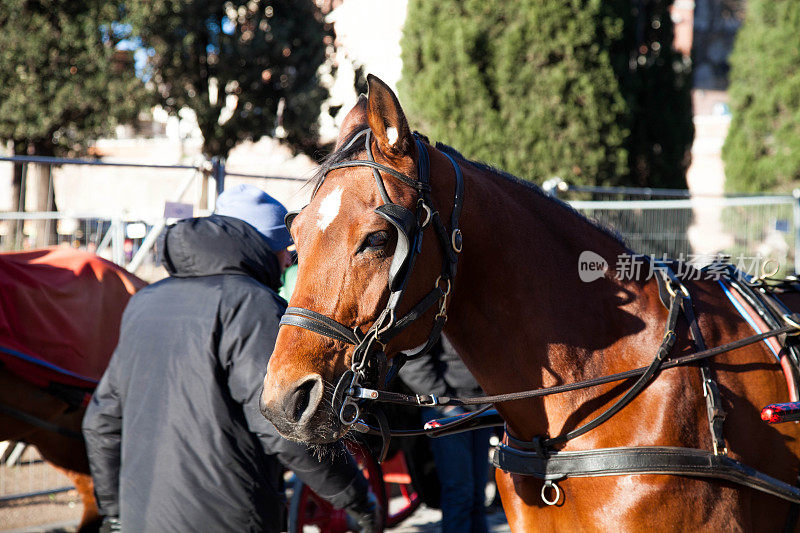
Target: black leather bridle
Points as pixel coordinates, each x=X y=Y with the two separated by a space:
x=369 y=358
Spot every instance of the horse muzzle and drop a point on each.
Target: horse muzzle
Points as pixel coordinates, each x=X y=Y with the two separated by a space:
x=295 y=409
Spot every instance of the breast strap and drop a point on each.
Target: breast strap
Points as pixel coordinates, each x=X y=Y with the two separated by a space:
x=665 y=460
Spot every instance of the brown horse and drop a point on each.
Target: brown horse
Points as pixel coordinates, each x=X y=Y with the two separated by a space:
x=65 y=451
x=521 y=318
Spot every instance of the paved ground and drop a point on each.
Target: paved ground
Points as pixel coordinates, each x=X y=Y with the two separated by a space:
x=56 y=512
x=427 y=520
x=31 y=475
x=64 y=509
x=60 y=513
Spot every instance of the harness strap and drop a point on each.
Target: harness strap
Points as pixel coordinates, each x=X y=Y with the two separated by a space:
x=716 y=414
x=593 y=382
x=402 y=177
x=38 y=422
x=638 y=460
x=770 y=316
x=476 y=419
x=318 y=323
x=414 y=313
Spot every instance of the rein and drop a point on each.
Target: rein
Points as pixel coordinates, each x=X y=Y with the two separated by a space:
x=424 y=400
x=645 y=374
x=369 y=360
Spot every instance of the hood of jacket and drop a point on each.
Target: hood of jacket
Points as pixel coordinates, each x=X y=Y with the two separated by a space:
x=218 y=244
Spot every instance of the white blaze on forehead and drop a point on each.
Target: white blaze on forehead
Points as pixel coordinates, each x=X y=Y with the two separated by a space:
x=391 y=134
x=329 y=208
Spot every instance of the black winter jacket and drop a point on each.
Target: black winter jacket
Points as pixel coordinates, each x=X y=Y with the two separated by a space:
x=174 y=435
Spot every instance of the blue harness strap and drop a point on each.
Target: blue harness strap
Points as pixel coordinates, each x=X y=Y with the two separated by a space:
x=50 y=366
x=745 y=315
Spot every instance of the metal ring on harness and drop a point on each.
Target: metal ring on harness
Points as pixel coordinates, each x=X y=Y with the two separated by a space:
x=790 y=321
x=445 y=291
x=456 y=241
x=672 y=292
x=764 y=273
x=354 y=414
x=550 y=484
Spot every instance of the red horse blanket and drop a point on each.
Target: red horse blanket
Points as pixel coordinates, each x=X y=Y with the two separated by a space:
x=60 y=311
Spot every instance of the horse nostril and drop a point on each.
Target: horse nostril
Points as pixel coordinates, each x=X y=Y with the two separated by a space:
x=304 y=399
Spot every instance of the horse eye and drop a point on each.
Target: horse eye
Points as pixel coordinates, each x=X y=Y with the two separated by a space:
x=375 y=241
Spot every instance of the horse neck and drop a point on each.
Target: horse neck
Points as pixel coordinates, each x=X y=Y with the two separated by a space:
x=520 y=316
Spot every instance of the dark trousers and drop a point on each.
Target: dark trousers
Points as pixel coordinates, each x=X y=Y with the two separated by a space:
x=462 y=465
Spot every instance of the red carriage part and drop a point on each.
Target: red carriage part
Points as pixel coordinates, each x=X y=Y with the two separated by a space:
x=60 y=311
x=778 y=413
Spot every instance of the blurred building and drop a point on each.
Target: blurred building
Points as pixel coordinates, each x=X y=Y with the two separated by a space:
x=714 y=27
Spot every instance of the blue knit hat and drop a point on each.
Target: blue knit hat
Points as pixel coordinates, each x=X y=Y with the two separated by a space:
x=258 y=209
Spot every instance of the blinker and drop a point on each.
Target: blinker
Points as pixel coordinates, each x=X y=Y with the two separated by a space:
x=406 y=224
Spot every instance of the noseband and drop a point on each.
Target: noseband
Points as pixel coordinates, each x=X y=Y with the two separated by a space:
x=369 y=357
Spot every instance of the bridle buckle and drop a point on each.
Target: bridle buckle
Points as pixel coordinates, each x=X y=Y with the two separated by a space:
x=427 y=400
x=443 y=300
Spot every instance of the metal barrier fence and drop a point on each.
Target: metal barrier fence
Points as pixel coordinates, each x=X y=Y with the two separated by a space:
x=24 y=474
x=110 y=234
x=752 y=231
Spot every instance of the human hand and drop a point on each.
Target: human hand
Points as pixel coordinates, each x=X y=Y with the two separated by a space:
x=366 y=516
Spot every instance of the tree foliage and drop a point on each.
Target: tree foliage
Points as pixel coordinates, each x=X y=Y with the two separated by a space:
x=62 y=80
x=587 y=90
x=249 y=55
x=762 y=149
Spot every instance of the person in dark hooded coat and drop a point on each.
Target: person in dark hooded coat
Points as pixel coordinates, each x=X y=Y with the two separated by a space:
x=174 y=435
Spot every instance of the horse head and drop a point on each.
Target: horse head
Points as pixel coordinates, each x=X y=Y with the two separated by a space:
x=362 y=265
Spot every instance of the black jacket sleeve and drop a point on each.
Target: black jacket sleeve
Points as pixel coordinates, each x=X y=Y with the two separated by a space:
x=425 y=375
x=249 y=328
x=442 y=373
x=102 y=431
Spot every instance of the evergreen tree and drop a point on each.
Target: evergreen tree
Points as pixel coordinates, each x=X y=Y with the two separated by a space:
x=62 y=80
x=259 y=57
x=762 y=150
x=587 y=90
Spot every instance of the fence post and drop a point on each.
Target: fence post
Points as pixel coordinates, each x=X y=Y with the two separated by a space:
x=796 y=217
x=117 y=242
x=218 y=171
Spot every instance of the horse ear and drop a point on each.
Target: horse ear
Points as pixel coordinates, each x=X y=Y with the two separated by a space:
x=387 y=120
x=355 y=118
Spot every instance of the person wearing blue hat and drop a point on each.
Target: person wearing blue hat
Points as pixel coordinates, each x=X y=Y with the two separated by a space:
x=260 y=210
x=174 y=435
